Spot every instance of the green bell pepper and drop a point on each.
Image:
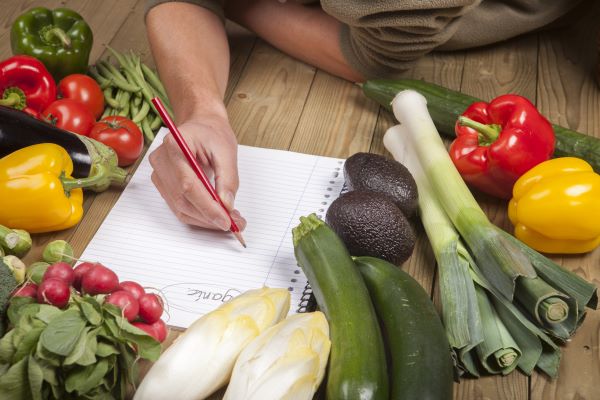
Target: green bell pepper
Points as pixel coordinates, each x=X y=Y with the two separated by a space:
x=60 y=38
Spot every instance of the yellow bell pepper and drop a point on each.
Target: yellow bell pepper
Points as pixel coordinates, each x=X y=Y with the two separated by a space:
x=556 y=207
x=37 y=191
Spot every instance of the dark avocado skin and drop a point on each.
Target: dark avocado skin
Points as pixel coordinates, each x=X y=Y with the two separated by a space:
x=370 y=224
x=375 y=173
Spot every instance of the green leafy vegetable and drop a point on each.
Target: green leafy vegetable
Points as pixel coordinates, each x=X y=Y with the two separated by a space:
x=86 y=351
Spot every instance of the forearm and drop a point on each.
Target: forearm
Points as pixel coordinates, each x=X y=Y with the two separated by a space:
x=189 y=45
x=307 y=33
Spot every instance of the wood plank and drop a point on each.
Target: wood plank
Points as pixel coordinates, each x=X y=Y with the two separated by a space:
x=337 y=120
x=568 y=95
x=267 y=102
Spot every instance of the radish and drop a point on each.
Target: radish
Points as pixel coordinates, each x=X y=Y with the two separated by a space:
x=134 y=288
x=149 y=329
x=54 y=291
x=27 y=290
x=60 y=270
x=151 y=307
x=99 y=280
x=79 y=271
x=161 y=330
x=126 y=302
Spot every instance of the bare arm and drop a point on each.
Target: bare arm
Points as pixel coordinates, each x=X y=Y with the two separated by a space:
x=307 y=33
x=189 y=45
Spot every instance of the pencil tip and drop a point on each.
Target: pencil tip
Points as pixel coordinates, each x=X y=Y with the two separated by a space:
x=239 y=237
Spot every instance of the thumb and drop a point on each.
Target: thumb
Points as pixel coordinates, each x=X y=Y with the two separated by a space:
x=226 y=179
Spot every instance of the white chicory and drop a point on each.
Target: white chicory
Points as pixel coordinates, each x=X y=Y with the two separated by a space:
x=201 y=360
x=286 y=362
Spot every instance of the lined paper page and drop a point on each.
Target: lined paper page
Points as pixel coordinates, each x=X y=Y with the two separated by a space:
x=197 y=269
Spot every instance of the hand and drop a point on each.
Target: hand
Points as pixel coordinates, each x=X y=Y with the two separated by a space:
x=214 y=144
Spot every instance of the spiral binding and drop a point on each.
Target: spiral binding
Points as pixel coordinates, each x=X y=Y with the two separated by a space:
x=308 y=303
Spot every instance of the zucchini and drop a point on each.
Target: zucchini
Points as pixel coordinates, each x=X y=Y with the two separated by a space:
x=445 y=105
x=357 y=365
x=421 y=362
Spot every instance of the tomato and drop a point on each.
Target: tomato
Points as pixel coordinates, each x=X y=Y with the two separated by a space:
x=69 y=115
x=83 y=89
x=122 y=135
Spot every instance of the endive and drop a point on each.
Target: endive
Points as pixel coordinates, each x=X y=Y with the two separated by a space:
x=286 y=362
x=201 y=360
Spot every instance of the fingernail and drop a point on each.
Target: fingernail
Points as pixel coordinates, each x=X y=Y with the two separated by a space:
x=222 y=223
x=227 y=199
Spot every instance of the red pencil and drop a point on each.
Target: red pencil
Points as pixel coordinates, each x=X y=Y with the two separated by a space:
x=164 y=115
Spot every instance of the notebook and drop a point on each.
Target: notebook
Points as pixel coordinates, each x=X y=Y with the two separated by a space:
x=197 y=270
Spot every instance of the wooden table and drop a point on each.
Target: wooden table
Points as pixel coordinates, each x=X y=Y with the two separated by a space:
x=275 y=101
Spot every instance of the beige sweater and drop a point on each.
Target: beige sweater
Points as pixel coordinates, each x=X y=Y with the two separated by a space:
x=381 y=38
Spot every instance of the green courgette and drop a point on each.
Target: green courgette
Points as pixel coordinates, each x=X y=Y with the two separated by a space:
x=357 y=364
x=421 y=363
x=445 y=105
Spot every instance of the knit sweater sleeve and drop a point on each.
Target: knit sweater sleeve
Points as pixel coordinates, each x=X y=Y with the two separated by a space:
x=384 y=38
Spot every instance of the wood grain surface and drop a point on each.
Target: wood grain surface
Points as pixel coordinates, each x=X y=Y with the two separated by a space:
x=278 y=102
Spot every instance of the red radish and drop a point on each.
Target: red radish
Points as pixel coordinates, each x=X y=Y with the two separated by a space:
x=54 y=291
x=60 y=270
x=161 y=330
x=151 y=307
x=134 y=288
x=27 y=290
x=126 y=302
x=79 y=271
x=149 y=329
x=99 y=280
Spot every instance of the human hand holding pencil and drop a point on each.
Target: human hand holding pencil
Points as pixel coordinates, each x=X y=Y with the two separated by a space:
x=183 y=180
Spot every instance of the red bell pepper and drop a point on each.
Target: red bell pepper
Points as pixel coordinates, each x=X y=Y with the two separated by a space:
x=26 y=84
x=497 y=142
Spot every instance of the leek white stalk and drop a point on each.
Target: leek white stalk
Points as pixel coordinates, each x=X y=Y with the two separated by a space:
x=201 y=360
x=286 y=362
x=499 y=259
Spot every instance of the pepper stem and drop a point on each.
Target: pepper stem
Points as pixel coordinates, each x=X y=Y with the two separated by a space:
x=53 y=32
x=13 y=97
x=487 y=133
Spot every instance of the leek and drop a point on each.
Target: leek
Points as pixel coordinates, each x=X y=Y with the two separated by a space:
x=460 y=312
x=480 y=282
x=500 y=259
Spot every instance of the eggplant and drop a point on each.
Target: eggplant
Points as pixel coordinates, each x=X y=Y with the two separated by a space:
x=90 y=157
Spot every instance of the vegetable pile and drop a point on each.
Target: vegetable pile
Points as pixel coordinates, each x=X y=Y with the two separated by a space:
x=505 y=306
x=72 y=332
x=128 y=91
x=358 y=296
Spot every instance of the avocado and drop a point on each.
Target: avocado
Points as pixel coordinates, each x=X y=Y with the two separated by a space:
x=375 y=173
x=370 y=224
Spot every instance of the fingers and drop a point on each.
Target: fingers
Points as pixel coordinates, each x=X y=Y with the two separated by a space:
x=226 y=178
x=184 y=193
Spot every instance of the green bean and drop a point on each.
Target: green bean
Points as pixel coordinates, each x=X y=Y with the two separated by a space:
x=141 y=113
x=147 y=131
x=138 y=99
x=154 y=81
x=111 y=101
x=119 y=81
x=133 y=109
x=102 y=81
x=156 y=123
